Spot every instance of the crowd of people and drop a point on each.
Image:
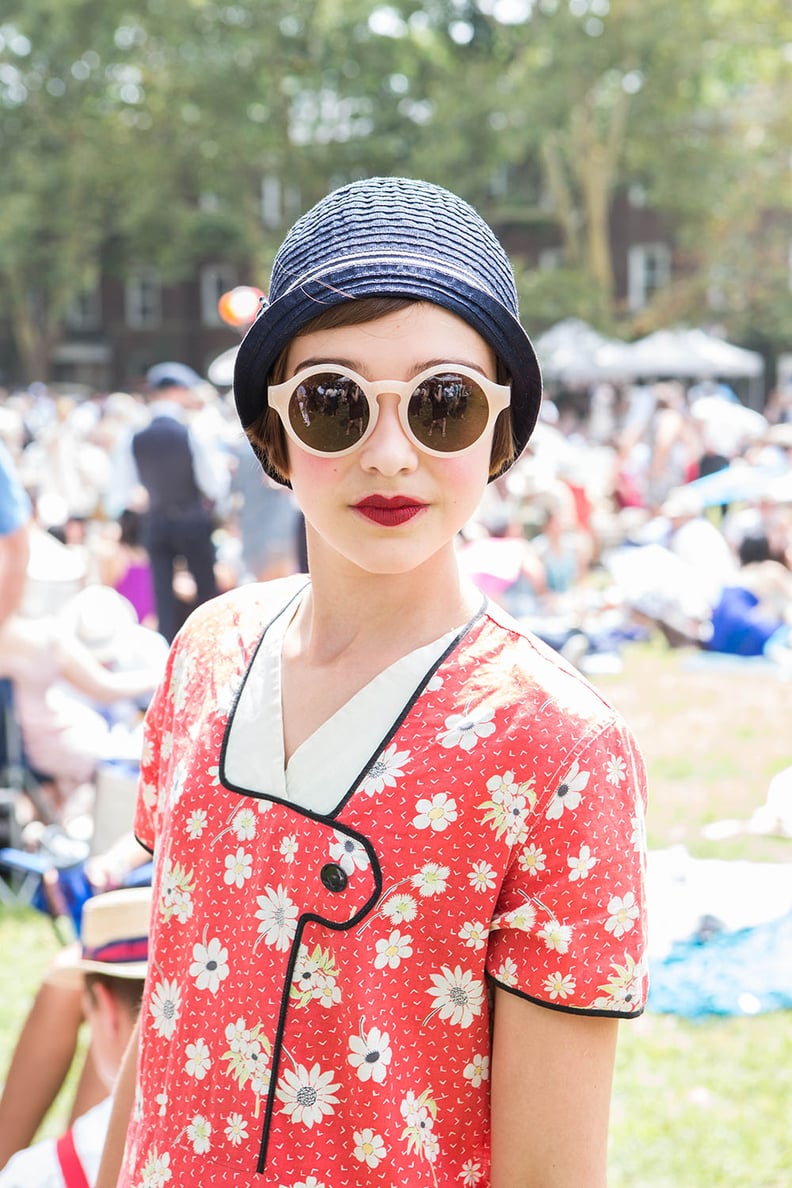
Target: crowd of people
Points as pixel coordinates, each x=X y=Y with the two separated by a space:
x=133 y=508
x=122 y=513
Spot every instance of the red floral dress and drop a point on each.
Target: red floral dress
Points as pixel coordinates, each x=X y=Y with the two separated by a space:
x=317 y=1011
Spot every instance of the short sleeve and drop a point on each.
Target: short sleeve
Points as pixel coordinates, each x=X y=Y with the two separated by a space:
x=569 y=928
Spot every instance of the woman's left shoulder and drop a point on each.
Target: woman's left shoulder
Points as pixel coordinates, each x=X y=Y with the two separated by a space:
x=541 y=674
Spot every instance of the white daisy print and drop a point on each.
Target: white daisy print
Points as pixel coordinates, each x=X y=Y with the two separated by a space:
x=289 y=847
x=508 y=806
x=156 y=1171
x=616 y=769
x=369 y=1147
x=371 y=1054
x=477 y=1071
x=419 y=1115
x=314 y=977
x=311 y=1182
x=238 y=868
x=419 y=1112
x=385 y=771
x=435 y=683
x=196 y=823
x=348 y=852
x=198 y=1060
x=430 y=879
x=210 y=965
x=482 y=876
x=567 y=794
x=278 y=915
x=244 y=824
x=198 y=1133
x=623 y=987
x=164 y=1007
x=162 y=1101
x=556 y=935
x=327 y=992
x=176 y=892
x=523 y=918
x=149 y=792
x=474 y=934
x=307 y=1096
x=465 y=730
x=400 y=909
x=391 y=951
x=580 y=865
x=238 y=1035
x=532 y=860
x=622 y=914
x=437 y=813
x=471 y=1173
x=236 y=1130
x=559 y=985
x=179 y=780
x=248 y=1056
x=182 y=906
x=458 y=996
x=507 y=973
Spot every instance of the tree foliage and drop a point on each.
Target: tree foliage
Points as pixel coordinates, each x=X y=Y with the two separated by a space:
x=149 y=132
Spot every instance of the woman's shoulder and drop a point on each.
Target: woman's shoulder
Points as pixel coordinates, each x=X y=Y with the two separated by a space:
x=246 y=609
x=532 y=674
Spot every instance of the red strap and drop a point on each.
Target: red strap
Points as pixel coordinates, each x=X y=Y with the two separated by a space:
x=73 y=1174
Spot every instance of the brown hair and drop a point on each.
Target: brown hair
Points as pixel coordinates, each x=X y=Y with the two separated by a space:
x=128 y=991
x=267 y=435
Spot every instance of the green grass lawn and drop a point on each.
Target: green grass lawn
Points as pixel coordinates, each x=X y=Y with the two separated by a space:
x=697 y=1104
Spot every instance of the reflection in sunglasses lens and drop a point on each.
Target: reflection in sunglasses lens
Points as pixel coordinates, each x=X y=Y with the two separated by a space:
x=448 y=412
x=329 y=412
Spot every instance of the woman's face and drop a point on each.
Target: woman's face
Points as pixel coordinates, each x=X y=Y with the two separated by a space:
x=389 y=507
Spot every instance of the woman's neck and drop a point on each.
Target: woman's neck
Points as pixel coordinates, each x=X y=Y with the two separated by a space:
x=347 y=612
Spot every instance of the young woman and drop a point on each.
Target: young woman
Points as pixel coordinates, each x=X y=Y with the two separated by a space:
x=398 y=889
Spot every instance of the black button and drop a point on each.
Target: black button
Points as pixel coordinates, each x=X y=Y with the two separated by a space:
x=333 y=877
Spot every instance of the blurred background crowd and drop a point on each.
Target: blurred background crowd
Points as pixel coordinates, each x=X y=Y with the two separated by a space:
x=641 y=508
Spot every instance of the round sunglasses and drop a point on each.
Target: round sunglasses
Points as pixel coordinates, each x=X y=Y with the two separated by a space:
x=444 y=410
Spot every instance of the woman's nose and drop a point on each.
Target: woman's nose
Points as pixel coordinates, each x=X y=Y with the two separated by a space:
x=389 y=450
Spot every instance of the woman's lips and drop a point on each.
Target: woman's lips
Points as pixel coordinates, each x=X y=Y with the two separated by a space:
x=389 y=512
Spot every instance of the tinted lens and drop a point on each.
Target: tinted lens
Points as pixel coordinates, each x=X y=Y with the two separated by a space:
x=448 y=412
x=328 y=412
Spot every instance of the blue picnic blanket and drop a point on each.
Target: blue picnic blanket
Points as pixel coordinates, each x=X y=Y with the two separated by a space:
x=725 y=973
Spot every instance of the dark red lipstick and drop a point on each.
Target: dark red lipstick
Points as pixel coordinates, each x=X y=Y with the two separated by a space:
x=389 y=512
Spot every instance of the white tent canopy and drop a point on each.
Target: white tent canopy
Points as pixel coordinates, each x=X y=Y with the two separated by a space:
x=574 y=352
x=692 y=354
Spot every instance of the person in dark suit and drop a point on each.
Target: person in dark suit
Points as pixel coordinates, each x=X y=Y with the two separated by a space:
x=183 y=482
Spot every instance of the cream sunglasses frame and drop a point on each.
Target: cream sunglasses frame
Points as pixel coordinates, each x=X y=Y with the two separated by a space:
x=279 y=395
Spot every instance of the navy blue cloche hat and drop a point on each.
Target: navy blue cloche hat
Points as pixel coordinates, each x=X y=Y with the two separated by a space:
x=391 y=237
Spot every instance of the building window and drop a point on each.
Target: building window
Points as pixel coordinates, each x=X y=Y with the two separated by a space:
x=84 y=313
x=216 y=279
x=143 y=299
x=648 y=269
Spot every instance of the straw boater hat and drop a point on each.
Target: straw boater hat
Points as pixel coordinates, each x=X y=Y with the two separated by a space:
x=114 y=937
x=391 y=237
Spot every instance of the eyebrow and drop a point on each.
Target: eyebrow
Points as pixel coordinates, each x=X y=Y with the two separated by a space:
x=352 y=365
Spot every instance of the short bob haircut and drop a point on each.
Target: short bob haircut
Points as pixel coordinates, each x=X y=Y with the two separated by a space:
x=267 y=435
